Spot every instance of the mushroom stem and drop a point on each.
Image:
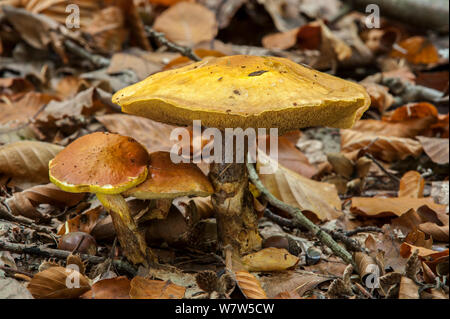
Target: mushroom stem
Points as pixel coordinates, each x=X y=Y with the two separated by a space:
x=131 y=240
x=237 y=223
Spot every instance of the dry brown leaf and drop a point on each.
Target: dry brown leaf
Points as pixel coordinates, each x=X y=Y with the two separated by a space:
x=270 y=259
x=285 y=14
x=379 y=96
x=436 y=148
x=386 y=148
x=13 y=85
x=292 y=158
x=364 y=264
x=187 y=24
x=407 y=129
x=412 y=111
x=407 y=249
x=408 y=289
x=52 y=284
x=135 y=61
x=107 y=29
x=281 y=40
x=298 y=282
x=84 y=222
x=381 y=207
x=320 y=199
x=86 y=103
x=142 y=288
x=167 y=3
x=418 y=238
x=68 y=87
x=24 y=203
x=417 y=50
x=153 y=135
x=249 y=285
x=411 y=185
x=112 y=288
x=20 y=110
x=27 y=161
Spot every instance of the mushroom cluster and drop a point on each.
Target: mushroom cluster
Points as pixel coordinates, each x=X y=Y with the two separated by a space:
x=113 y=167
x=243 y=92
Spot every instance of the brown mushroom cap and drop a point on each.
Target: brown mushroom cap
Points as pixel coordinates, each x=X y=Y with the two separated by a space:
x=169 y=180
x=246 y=91
x=100 y=163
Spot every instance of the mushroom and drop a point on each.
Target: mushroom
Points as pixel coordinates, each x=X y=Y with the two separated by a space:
x=106 y=164
x=243 y=92
x=167 y=180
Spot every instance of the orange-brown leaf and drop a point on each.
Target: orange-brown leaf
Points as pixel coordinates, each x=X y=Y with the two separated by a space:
x=411 y=185
x=417 y=50
x=436 y=148
x=249 y=285
x=142 y=288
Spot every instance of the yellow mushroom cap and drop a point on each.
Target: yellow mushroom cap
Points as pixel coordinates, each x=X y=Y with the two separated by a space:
x=103 y=163
x=170 y=180
x=246 y=91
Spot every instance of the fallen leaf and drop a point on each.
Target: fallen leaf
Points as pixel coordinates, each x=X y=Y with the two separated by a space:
x=411 y=185
x=84 y=222
x=182 y=60
x=320 y=199
x=285 y=14
x=142 y=288
x=155 y=136
x=270 y=259
x=386 y=148
x=24 y=203
x=417 y=50
x=112 y=288
x=13 y=289
x=27 y=161
x=298 y=282
x=281 y=40
x=408 y=289
x=380 y=97
x=436 y=148
x=249 y=285
x=187 y=24
x=407 y=249
x=382 y=207
x=21 y=110
x=52 y=284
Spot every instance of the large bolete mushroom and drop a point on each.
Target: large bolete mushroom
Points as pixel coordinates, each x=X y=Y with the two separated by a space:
x=244 y=92
x=106 y=164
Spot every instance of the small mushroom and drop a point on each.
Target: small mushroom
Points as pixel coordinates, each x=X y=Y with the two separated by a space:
x=244 y=92
x=167 y=180
x=106 y=164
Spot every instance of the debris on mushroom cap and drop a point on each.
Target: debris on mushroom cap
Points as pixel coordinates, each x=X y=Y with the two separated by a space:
x=246 y=91
x=170 y=180
x=100 y=163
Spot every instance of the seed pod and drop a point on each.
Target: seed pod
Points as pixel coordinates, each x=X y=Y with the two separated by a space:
x=78 y=241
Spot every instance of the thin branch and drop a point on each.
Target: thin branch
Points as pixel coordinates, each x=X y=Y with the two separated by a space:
x=97 y=60
x=298 y=217
x=390 y=175
x=187 y=52
x=61 y=254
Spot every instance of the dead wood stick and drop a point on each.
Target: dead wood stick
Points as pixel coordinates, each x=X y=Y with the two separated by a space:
x=97 y=60
x=390 y=175
x=186 y=51
x=23 y=221
x=298 y=217
x=61 y=254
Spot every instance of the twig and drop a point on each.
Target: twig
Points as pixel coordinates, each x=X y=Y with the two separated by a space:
x=187 y=52
x=390 y=175
x=278 y=219
x=97 y=60
x=350 y=243
x=62 y=254
x=16 y=271
x=23 y=221
x=298 y=217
